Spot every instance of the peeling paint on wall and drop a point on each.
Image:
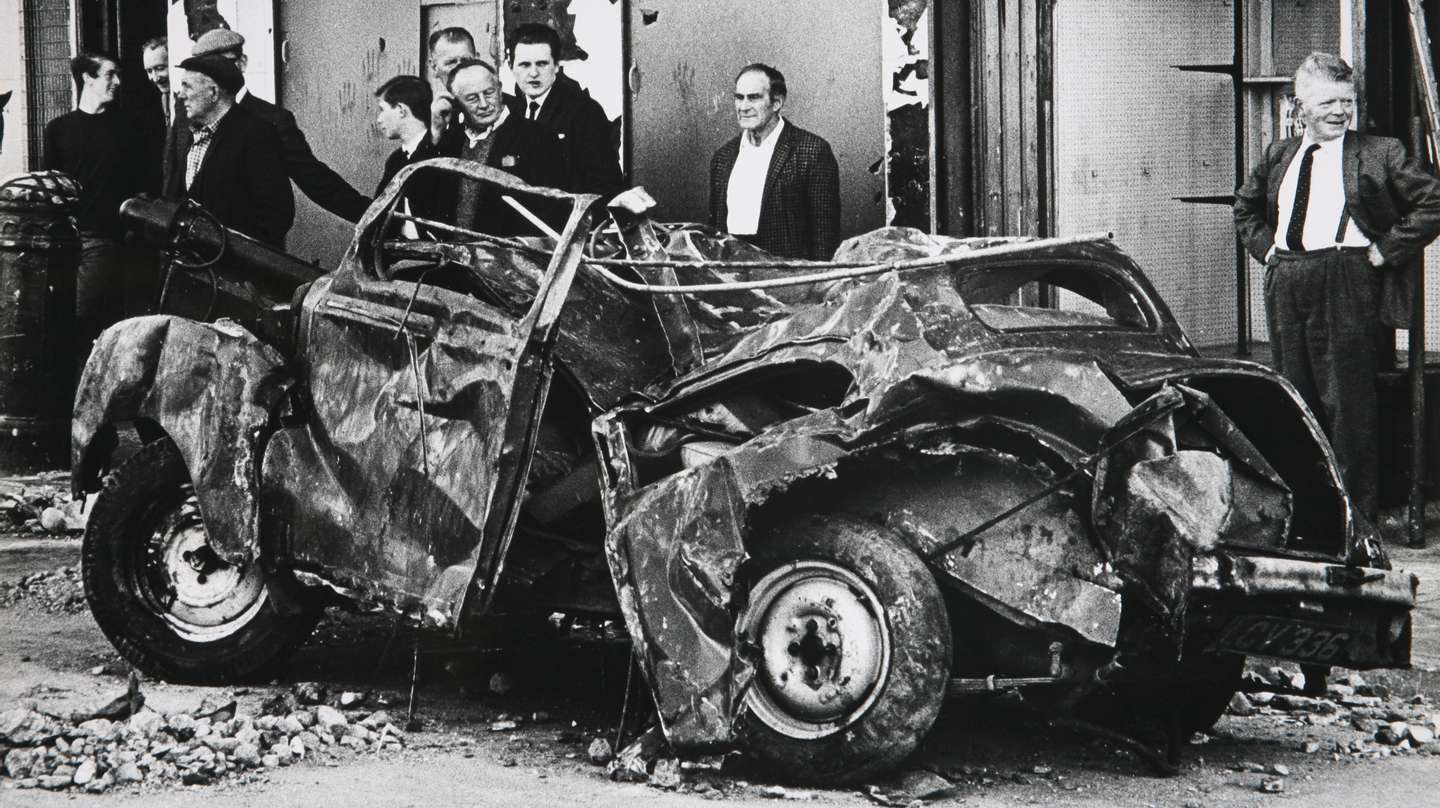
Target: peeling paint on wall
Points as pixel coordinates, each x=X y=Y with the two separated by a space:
x=906 y=55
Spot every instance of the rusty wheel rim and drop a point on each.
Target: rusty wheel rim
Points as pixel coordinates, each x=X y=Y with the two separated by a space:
x=824 y=648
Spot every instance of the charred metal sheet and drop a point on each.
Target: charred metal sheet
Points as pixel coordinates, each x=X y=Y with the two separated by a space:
x=914 y=352
x=211 y=388
x=1256 y=576
x=609 y=342
x=1037 y=568
x=1181 y=482
x=395 y=467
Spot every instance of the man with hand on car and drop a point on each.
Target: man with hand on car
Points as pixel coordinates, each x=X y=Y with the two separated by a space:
x=314 y=178
x=232 y=166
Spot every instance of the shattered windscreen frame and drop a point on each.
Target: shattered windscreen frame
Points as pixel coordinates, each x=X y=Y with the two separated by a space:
x=1094 y=296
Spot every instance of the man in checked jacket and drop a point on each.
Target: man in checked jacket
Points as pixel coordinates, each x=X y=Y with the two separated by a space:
x=775 y=185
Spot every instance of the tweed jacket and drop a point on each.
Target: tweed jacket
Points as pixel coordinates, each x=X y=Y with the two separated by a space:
x=800 y=208
x=242 y=179
x=1394 y=202
x=589 y=161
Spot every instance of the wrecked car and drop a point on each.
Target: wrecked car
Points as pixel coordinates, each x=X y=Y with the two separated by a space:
x=823 y=496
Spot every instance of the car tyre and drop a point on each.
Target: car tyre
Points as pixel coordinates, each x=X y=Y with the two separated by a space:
x=164 y=598
x=843 y=607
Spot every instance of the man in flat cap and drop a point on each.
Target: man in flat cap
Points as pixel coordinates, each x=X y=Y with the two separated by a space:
x=316 y=180
x=233 y=165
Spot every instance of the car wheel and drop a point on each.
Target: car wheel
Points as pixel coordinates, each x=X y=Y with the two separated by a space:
x=162 y=595
x=851 y=643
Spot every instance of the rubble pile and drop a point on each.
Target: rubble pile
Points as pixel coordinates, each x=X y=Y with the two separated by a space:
x=53 y=591
x=40 y=504
x=89 y=752
x=1386 y=725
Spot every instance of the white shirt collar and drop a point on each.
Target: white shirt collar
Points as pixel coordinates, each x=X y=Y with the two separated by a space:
x=767 y=142
x=538 y=101
x=1325 y=145
x=476 y=138
x=241 y=93
x=413 y=143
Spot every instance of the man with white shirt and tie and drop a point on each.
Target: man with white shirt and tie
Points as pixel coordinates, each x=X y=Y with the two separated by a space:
x=776 y=185
x=1328 y=212
x=558 y=103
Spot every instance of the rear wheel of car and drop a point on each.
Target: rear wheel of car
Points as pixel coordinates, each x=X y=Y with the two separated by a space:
x=851 y=642
x=164 y=597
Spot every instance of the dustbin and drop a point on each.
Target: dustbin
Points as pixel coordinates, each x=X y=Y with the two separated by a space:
x=39 y=257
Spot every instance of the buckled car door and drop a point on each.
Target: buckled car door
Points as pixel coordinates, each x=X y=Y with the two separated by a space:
x=400 y=486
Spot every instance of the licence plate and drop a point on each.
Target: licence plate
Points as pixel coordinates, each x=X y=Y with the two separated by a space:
x=1281 y=637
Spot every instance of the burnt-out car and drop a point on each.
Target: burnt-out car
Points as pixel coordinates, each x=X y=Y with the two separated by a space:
x=823 y=496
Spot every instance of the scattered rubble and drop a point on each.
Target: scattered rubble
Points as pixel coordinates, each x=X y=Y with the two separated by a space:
x=909 y=788
x=86 y=752
x=600 y=752
x=1386 y=726
x=40 y=504
x=53 y=591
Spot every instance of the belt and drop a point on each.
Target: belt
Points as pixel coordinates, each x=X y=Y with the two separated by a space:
x=1343 y=250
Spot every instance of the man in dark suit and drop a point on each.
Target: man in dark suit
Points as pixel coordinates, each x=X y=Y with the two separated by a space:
x=561 y=105
x=492 y=136
x=403 y=114
x=316 y=180
x=158 y=118
x=1328 y=213
x=233 y=165
x=776 y=185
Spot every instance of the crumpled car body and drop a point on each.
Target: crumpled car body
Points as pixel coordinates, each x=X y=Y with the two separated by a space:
x=456 y=424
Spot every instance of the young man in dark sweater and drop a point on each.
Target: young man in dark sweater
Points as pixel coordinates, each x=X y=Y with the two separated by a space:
x=101 y=147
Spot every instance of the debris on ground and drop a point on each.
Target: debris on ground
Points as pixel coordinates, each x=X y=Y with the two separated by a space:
x=53 y=591
x=910 y=787
x=666 y=774
x=600 y=752
x=1386 y=724
x=213 y=741
x=635 y=761
x=41 y=504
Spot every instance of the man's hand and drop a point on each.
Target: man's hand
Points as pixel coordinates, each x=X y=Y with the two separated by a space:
x=440 y=111
x=1377 y=258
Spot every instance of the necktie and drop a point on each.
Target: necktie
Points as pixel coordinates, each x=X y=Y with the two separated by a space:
x=534 y=111
x=1295 y=232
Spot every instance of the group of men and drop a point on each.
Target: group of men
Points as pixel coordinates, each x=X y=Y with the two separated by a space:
x=213 y=141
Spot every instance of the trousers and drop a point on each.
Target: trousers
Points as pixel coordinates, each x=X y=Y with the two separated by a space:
x=1324 y=326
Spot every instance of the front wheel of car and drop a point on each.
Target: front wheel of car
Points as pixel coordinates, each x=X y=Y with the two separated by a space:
x=171 y=604
x=851 y=643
